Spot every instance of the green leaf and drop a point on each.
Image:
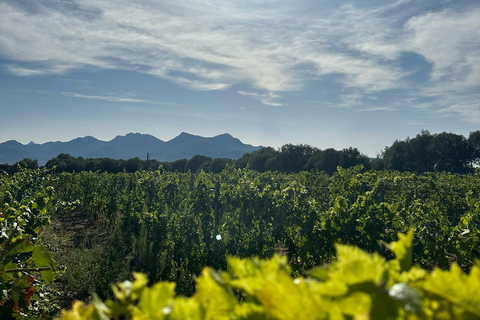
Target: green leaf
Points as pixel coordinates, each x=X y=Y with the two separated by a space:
x=354 y=266
x=155 y=302
x=403 y=250
x=251 y=274
x=7 y=276
x=287 y=298
x=42 y=258
x=459 y=289
x=186 y=309
x=80 y=311
x=19 y=246
x=141 y=281
x=215 y=296
x=250 y=311
x=319 y=273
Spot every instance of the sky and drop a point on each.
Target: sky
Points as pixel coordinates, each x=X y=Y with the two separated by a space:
x=331 y=74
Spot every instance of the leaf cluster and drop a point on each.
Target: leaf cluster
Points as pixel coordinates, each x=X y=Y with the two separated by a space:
x=357 y=285
x=26 y=268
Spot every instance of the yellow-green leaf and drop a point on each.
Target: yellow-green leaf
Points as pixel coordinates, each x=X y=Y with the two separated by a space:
x=403 y=250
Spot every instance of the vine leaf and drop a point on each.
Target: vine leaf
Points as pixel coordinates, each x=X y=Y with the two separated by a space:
x=465 y=287
x=42 y=258
x=403 y=250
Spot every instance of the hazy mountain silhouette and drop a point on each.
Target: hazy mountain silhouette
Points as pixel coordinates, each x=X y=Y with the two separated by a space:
x=132 y=145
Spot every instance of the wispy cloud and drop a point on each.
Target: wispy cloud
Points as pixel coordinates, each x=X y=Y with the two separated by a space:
x=321 y=103
x=465 y=106
x=273 y=47
x=111 y=98
x=268 y=99
x=417 y=123
x=19 y=71
x=218 y=43
x=372 y=109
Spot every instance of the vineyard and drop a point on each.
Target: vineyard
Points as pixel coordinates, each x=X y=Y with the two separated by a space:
x=169 y=226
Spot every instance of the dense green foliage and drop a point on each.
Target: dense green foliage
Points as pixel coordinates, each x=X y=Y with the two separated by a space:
x=67 y=163
x=164 y=223
x=26 y=268
x=170 y=225
x=357 y=285
x=18 y=166
x=290 y=158
x=438 y=152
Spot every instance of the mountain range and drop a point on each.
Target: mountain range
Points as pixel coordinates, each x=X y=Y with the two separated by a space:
x=132 y=145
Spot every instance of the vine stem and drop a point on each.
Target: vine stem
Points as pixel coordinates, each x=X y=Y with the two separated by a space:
x=28 y=269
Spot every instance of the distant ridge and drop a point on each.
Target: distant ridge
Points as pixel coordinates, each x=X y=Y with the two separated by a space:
x=132 y=145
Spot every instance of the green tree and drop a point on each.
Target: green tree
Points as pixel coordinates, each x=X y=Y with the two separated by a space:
x=133 y=165
x=196 y=162
x=293 y=158
x=351 y=157
x=474 y=144
x=260 y=160
x=452 y=153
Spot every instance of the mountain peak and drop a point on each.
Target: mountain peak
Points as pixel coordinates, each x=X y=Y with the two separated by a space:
x=86 y=138
x=12 y=143
x=224 y=135
x=186 y=134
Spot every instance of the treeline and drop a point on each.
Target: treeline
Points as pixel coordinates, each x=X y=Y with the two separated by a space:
x=67 y=163
x=290 y=158
x=425 y=152
x=433 y=153
x=14 y=168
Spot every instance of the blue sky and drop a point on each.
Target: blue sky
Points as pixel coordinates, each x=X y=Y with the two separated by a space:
x=325 y=73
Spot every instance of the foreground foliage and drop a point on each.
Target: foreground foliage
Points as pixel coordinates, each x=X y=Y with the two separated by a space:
x=356 y=285
x=26 y=268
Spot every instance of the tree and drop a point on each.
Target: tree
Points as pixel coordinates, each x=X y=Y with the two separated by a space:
x=452 y=153
x=60 y=162
x=218 y=164
x=315 y=160
x=427 y=152
x=397 y=155
x=293 y=158
x=420 y=157
x=330 y=160
x=351 y=157
x=179 y=165
x=324 y=160
x=196 y=162
x=133 y=164
x=260 y=160
x=474 y=144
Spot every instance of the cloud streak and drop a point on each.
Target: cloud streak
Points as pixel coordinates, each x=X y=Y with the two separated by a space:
x=268 y=99
x=111 y=98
